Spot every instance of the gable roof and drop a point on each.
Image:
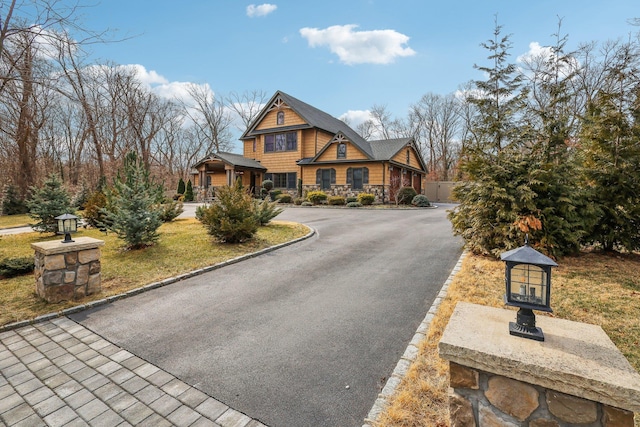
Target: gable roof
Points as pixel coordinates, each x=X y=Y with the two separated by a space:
x=387 y=149
x=233 y=160
x=314 y=118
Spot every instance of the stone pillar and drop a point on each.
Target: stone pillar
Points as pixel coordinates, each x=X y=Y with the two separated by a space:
x=576 y=376
x=65 y=271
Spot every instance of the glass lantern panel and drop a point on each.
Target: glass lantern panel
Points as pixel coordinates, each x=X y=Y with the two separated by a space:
x=529 y=284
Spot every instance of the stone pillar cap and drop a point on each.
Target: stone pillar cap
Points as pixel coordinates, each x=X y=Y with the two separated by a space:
x=576 y=358
x=52 y=247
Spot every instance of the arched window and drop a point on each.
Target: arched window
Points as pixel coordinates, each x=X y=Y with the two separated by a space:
x=280 y=119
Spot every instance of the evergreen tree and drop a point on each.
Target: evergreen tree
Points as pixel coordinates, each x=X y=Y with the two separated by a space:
x=13 y=204
x=231 y=218
x=612 y=158
x=132 y=205
x=559 y=205
x=188 y=194
x=48 y=202
x=494 y=196
x=181 y=187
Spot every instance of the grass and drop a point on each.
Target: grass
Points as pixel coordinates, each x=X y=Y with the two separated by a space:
x=593 y=288
x=9 y=221
x=184 y=246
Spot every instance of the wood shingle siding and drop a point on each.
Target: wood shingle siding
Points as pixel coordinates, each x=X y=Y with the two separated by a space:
x=270 y=120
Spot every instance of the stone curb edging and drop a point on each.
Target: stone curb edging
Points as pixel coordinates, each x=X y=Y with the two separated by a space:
x=411 y=352
x=154 y=285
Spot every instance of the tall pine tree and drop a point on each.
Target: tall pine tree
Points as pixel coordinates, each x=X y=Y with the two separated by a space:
x=48 y=202
x=495 y=187
x=612 y=156
x=133 y=211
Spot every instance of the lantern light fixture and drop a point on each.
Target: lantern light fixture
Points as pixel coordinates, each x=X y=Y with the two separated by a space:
x=528 y=286
x=67 y=224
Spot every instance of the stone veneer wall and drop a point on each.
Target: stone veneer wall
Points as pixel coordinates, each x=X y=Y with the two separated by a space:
x=65 y=271
x=347 y=191
x=575 y=377
x=483 y=399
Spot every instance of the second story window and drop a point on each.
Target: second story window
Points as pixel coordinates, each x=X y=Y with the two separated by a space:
x=281 y=142
x=342 y=151
x=280 y=119
x=408 y=157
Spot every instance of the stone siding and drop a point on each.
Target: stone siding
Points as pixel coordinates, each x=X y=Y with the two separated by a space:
x=65 y=271
x=494 y=400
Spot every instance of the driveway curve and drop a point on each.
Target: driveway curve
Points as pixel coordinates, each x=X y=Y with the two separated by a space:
x=302 y=336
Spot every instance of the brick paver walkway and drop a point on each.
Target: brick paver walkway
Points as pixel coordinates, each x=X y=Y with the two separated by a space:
x=59 y=373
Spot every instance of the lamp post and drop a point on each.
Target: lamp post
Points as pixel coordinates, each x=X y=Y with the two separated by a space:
x=528 y=286
x=67 y=224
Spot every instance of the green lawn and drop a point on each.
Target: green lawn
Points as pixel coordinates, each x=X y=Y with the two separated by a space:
x=184 y=246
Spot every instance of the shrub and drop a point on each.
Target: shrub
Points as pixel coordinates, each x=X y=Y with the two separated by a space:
x=231 y=218
x=405 y=195
x=267 y=184
x=11 y=267
x=336 y=200
x=94 y=213
x=48 y=202
x=188 y=193
x=351 y=199
x=170 y=210
x=181 y=186
x=263 y=193
x=81 y=197
x=316 y=197
x=421 y=201
x=366 y=198
x=354 y=205
x=132 y=205
x=305 y=203
x=298 y=201
x=13 y=204
x=273 y=194
x=284 y=198
x=265 y=211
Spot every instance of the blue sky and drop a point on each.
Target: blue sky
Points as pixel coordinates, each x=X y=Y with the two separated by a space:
x=339 y=56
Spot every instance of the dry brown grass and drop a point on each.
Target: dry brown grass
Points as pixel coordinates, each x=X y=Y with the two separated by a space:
x=184 y=246
x=8 y=221
x=593 y=288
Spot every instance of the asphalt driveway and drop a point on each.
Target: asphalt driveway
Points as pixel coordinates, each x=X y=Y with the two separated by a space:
x=305 y=335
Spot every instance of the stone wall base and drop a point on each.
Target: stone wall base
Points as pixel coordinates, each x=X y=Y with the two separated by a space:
x=479 y=398
x=65 y=271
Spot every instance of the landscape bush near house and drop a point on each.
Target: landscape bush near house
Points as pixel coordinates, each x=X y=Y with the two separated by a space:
x=298 y=201
x=336 y=200
x=48 y=202
x=188 y=193
x=421 y=201
x=273 y=194
x=366 y=198
x=354 y=205
x=351 y=199
x=316 y=197
x=405 y=195
x=284 y=198
x=265 y=211
x=231 y=218
x=132 y=210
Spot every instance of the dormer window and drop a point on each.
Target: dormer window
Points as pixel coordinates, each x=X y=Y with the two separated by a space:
x=280 y=118
x=342 y=151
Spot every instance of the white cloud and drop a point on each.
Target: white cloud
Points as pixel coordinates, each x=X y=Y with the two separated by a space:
x=543 y=54
x=359 y=47
x=149 y=78
x=260 y=10
x=354 y=118
x=535 y=51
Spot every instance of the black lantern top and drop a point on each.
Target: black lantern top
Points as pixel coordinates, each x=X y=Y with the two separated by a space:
x=67 y=223
x=528 y=278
